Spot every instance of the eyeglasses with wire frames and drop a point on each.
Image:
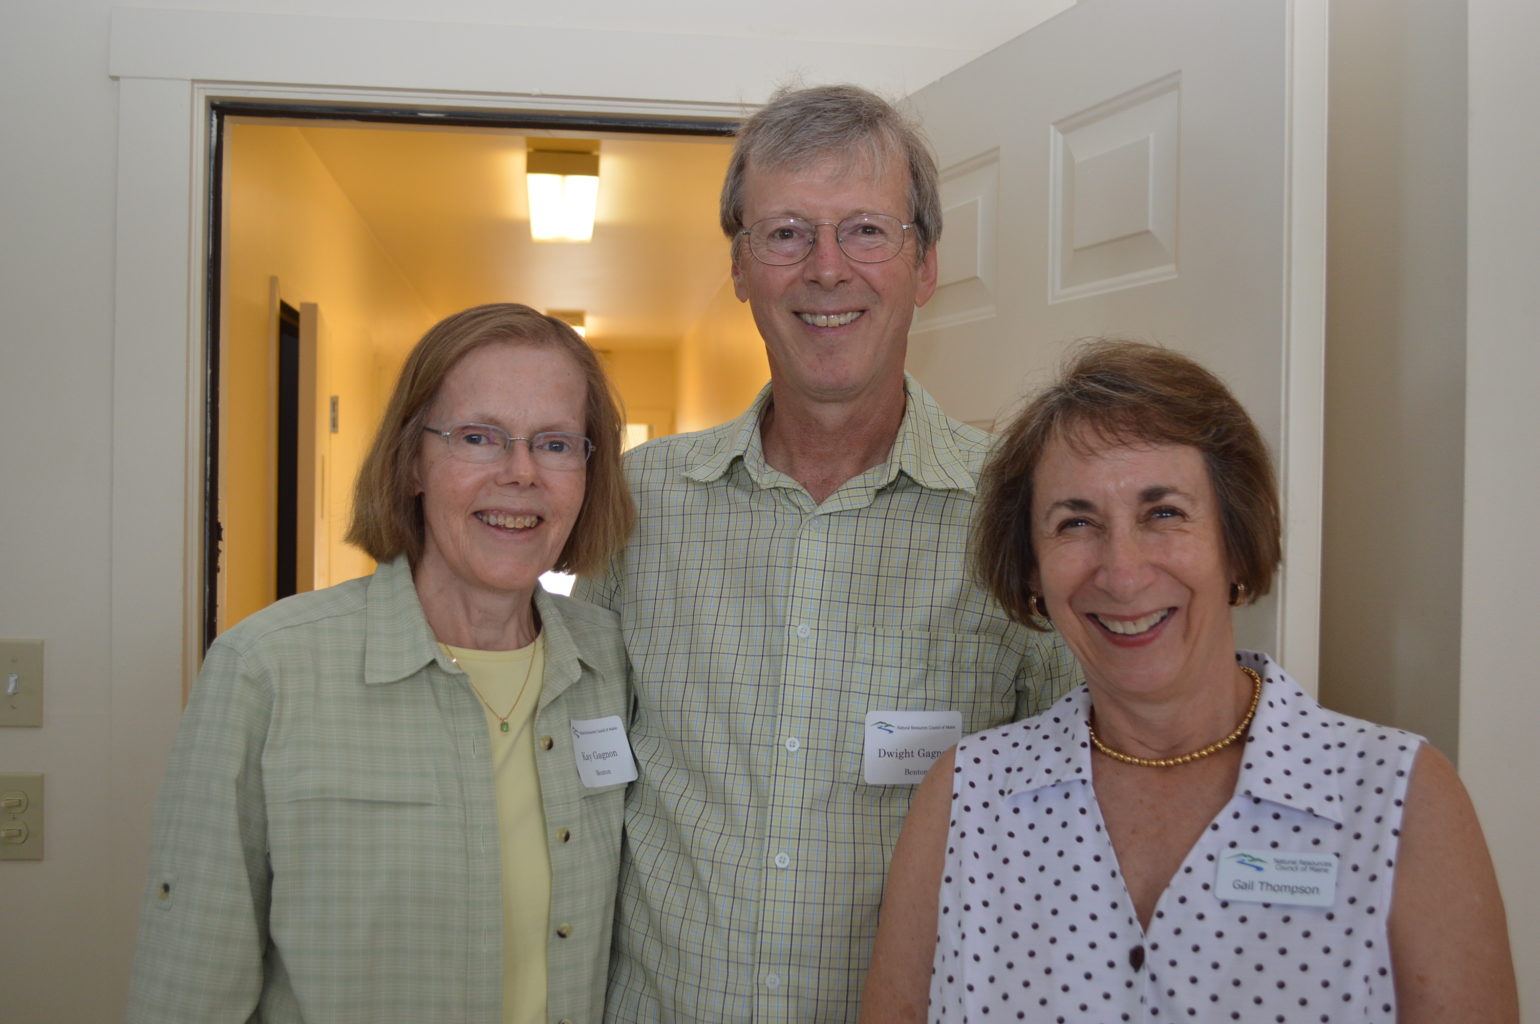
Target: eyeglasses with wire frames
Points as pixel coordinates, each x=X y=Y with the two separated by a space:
x=484 y=443
x=864 y=237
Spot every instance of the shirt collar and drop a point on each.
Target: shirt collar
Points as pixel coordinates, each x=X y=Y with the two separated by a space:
x=926 y=449
x=1286 y=719
x=398 y=641
x=562 y=652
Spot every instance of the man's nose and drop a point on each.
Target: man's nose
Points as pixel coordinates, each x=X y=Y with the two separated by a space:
x=827 y=263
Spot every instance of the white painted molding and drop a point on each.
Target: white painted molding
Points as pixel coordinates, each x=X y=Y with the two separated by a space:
x=1304 y=371
x=320 y=51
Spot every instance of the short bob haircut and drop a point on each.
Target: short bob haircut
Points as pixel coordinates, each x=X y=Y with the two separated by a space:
x=799 y=127
x=387 y=511
x=1120 y=393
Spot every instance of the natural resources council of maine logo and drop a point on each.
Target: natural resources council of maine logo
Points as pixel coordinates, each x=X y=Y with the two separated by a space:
x=1247 y=860
x=882 y=726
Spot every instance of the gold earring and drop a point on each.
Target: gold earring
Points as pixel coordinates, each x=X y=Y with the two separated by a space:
x=1237 y=594
x=1035 y=606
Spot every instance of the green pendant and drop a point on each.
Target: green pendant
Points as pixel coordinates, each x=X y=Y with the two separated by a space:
x=503 y=726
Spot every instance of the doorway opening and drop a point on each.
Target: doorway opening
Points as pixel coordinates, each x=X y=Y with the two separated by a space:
x=395 y=235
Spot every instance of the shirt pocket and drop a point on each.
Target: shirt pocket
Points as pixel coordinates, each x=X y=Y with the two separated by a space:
x=369 y=819
x=929 y=670
x=924 y=670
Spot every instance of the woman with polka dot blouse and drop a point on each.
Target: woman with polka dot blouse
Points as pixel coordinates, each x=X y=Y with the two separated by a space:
x=1189 y=836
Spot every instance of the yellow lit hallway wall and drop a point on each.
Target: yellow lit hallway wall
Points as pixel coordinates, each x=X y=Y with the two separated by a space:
x=722 y=363
x=648 y=382
x=287 y=220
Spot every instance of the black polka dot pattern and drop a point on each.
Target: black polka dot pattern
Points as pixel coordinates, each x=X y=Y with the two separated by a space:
x=1035 y=923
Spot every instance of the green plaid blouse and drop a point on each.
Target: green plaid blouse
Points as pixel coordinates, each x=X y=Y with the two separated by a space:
x=761 y=629
x=325 y=843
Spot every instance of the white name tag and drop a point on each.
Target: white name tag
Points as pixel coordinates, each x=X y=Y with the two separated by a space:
x=1292 y=879
x=603 y=754
x=902 y=745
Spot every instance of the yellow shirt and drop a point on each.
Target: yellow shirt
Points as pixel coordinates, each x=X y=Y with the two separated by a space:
x=510 y=681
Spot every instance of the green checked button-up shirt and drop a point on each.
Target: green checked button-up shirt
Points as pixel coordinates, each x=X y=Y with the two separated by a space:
x=762 y=628
x=325 y=845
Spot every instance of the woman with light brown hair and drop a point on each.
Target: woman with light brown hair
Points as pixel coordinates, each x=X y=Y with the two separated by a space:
x=399 y=799
x=1189 y=835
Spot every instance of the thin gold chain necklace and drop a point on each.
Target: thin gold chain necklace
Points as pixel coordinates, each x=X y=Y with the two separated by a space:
x=502 y=720
x=1212 y=748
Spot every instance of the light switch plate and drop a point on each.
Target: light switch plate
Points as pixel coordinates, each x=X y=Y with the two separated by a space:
x=21 y=816
x=21 y=682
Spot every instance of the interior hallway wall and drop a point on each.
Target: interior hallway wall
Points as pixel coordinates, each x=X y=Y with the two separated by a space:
x=648 y=382
x=722 y=362
x=287 y=219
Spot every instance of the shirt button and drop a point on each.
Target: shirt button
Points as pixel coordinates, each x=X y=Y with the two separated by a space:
x=782 y=860
x=546 y=743
x=772 y=981
x=803 y=631
x=793 y=744
x=563 y=931
x=563 y=834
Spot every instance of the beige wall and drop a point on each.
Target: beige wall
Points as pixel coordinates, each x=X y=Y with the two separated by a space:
x=1395 y=366
x=287 y=220
x=1499 y=706
x=722 y=363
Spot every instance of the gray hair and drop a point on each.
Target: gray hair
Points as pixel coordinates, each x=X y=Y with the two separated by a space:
x=799 y=126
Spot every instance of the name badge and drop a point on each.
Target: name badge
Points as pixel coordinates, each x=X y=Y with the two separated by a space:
x=1292 y=879
x=902 y=745
x=603 y=754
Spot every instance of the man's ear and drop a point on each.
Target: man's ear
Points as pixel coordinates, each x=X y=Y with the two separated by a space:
x=740 y=289
x=925 y=278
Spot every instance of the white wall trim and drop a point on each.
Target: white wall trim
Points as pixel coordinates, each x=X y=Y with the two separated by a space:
x=1304 y=372
x=319 y=50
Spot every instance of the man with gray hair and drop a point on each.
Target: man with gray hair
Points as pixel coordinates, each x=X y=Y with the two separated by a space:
x=803 y=631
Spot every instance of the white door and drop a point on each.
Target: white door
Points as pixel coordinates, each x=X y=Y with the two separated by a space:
x=1144 y=170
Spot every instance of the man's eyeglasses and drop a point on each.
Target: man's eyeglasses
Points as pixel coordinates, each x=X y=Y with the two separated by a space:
x=482 y=442
x=865 y=238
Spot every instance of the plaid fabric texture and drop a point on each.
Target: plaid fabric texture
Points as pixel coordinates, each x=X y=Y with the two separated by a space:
x=761 y=629
x=325 y=845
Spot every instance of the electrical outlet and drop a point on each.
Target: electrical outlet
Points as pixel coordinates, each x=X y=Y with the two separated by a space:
x=21 y=816
x=21 y=682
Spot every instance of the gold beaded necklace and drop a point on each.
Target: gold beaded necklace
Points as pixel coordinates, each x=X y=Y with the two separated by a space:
x=502 y=720
x=1212 y=748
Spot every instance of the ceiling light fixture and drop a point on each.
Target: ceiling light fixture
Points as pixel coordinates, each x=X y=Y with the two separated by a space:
x=563 y=191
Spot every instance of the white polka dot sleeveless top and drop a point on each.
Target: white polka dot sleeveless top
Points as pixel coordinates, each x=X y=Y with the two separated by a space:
x=1035 y=923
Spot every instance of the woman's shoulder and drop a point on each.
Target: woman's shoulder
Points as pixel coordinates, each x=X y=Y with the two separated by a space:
x=1058 y=722
x=1286 y=706
x=592 y=630
x=583 y=614
x=1040 y=750
x=298 y=612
